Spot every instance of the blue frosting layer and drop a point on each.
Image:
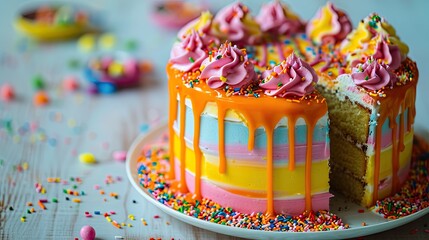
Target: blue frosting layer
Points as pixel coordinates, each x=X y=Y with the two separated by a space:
x=237 y=133
x=386 y=128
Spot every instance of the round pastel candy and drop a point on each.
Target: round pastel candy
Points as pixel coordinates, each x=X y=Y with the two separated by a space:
x=70 y=83
x=92 y=89
x=106 y=88
x=87 y=233
x=146 y=66
x=116 y=69
x=130 y=66
x=41 y=98
x=107 y=41
x=106 y=61
x=7 y=93
x=38 y=82
x=120 y=156
x=87 y=158
x=64 y=16
x=86 y=42
x=81 y=17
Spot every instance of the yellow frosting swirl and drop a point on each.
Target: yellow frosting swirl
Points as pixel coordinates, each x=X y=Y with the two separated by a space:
x=329 y=24
x=253 y=27
x=367 y=32
x=201 y=24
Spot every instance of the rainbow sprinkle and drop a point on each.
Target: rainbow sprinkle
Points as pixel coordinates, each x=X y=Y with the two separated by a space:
x=153 y=167
x=413 y=195
x=152 y=175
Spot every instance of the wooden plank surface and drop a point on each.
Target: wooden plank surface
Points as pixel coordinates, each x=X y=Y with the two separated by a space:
x=49 y=139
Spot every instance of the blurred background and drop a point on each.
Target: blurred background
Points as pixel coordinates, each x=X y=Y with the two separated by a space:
x=133 y=20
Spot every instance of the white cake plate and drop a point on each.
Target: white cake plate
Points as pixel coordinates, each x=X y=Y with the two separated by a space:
x=347 y=211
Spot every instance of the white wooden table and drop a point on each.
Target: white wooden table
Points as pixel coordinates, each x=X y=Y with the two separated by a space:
x=45 y=141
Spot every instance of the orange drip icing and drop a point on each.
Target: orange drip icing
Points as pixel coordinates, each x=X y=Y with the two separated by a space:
x=291 y=135
x=308 y=158
x=197 y=109
x=182 y=186
x=221 y=123
x=377 y=163
x=401 y=144
x=395 y=153
x=171 y=117
x=251 y=139
x=396 y=99
x=263 y=112
x=270 y=169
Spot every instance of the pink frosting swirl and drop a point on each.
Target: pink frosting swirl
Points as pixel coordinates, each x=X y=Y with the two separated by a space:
x=390 y=54
x=373 y=75
x=338 y=29
x=276 y=19
x=229 y=66
x=189 y=54
x=236 y=25
x=292 y=77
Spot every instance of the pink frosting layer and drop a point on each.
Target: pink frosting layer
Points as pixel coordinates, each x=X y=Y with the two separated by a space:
x=249 y=205
x=292 y=77
x=386 y=137
x=273 y=19
x=390 y=54
x=320 y=151
x=229 y=66
x=373 y=75
x=402 y=177
x=190 y=53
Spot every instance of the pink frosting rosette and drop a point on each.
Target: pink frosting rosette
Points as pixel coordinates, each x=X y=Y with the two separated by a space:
x=329 y=25
x=276 y=18
x=373 y=75
x=292 y=77
x=234 y=23
x=229 y=66
x=390 y=54
x=190 y=53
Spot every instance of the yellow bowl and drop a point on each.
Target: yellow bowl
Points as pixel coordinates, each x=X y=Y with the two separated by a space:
x=50 y=32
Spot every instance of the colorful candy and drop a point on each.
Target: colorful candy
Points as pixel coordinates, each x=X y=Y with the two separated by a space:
x=107 y=41
x=70 y=83
x=112 y=72
x=87 y=233
x=38 y=82
x=41 y=98
x=120 y=156
x=87 y=158
x=7 y=93
x=86 y=43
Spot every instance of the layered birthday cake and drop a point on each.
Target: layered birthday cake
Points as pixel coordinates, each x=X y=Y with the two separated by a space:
x=268 y=112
